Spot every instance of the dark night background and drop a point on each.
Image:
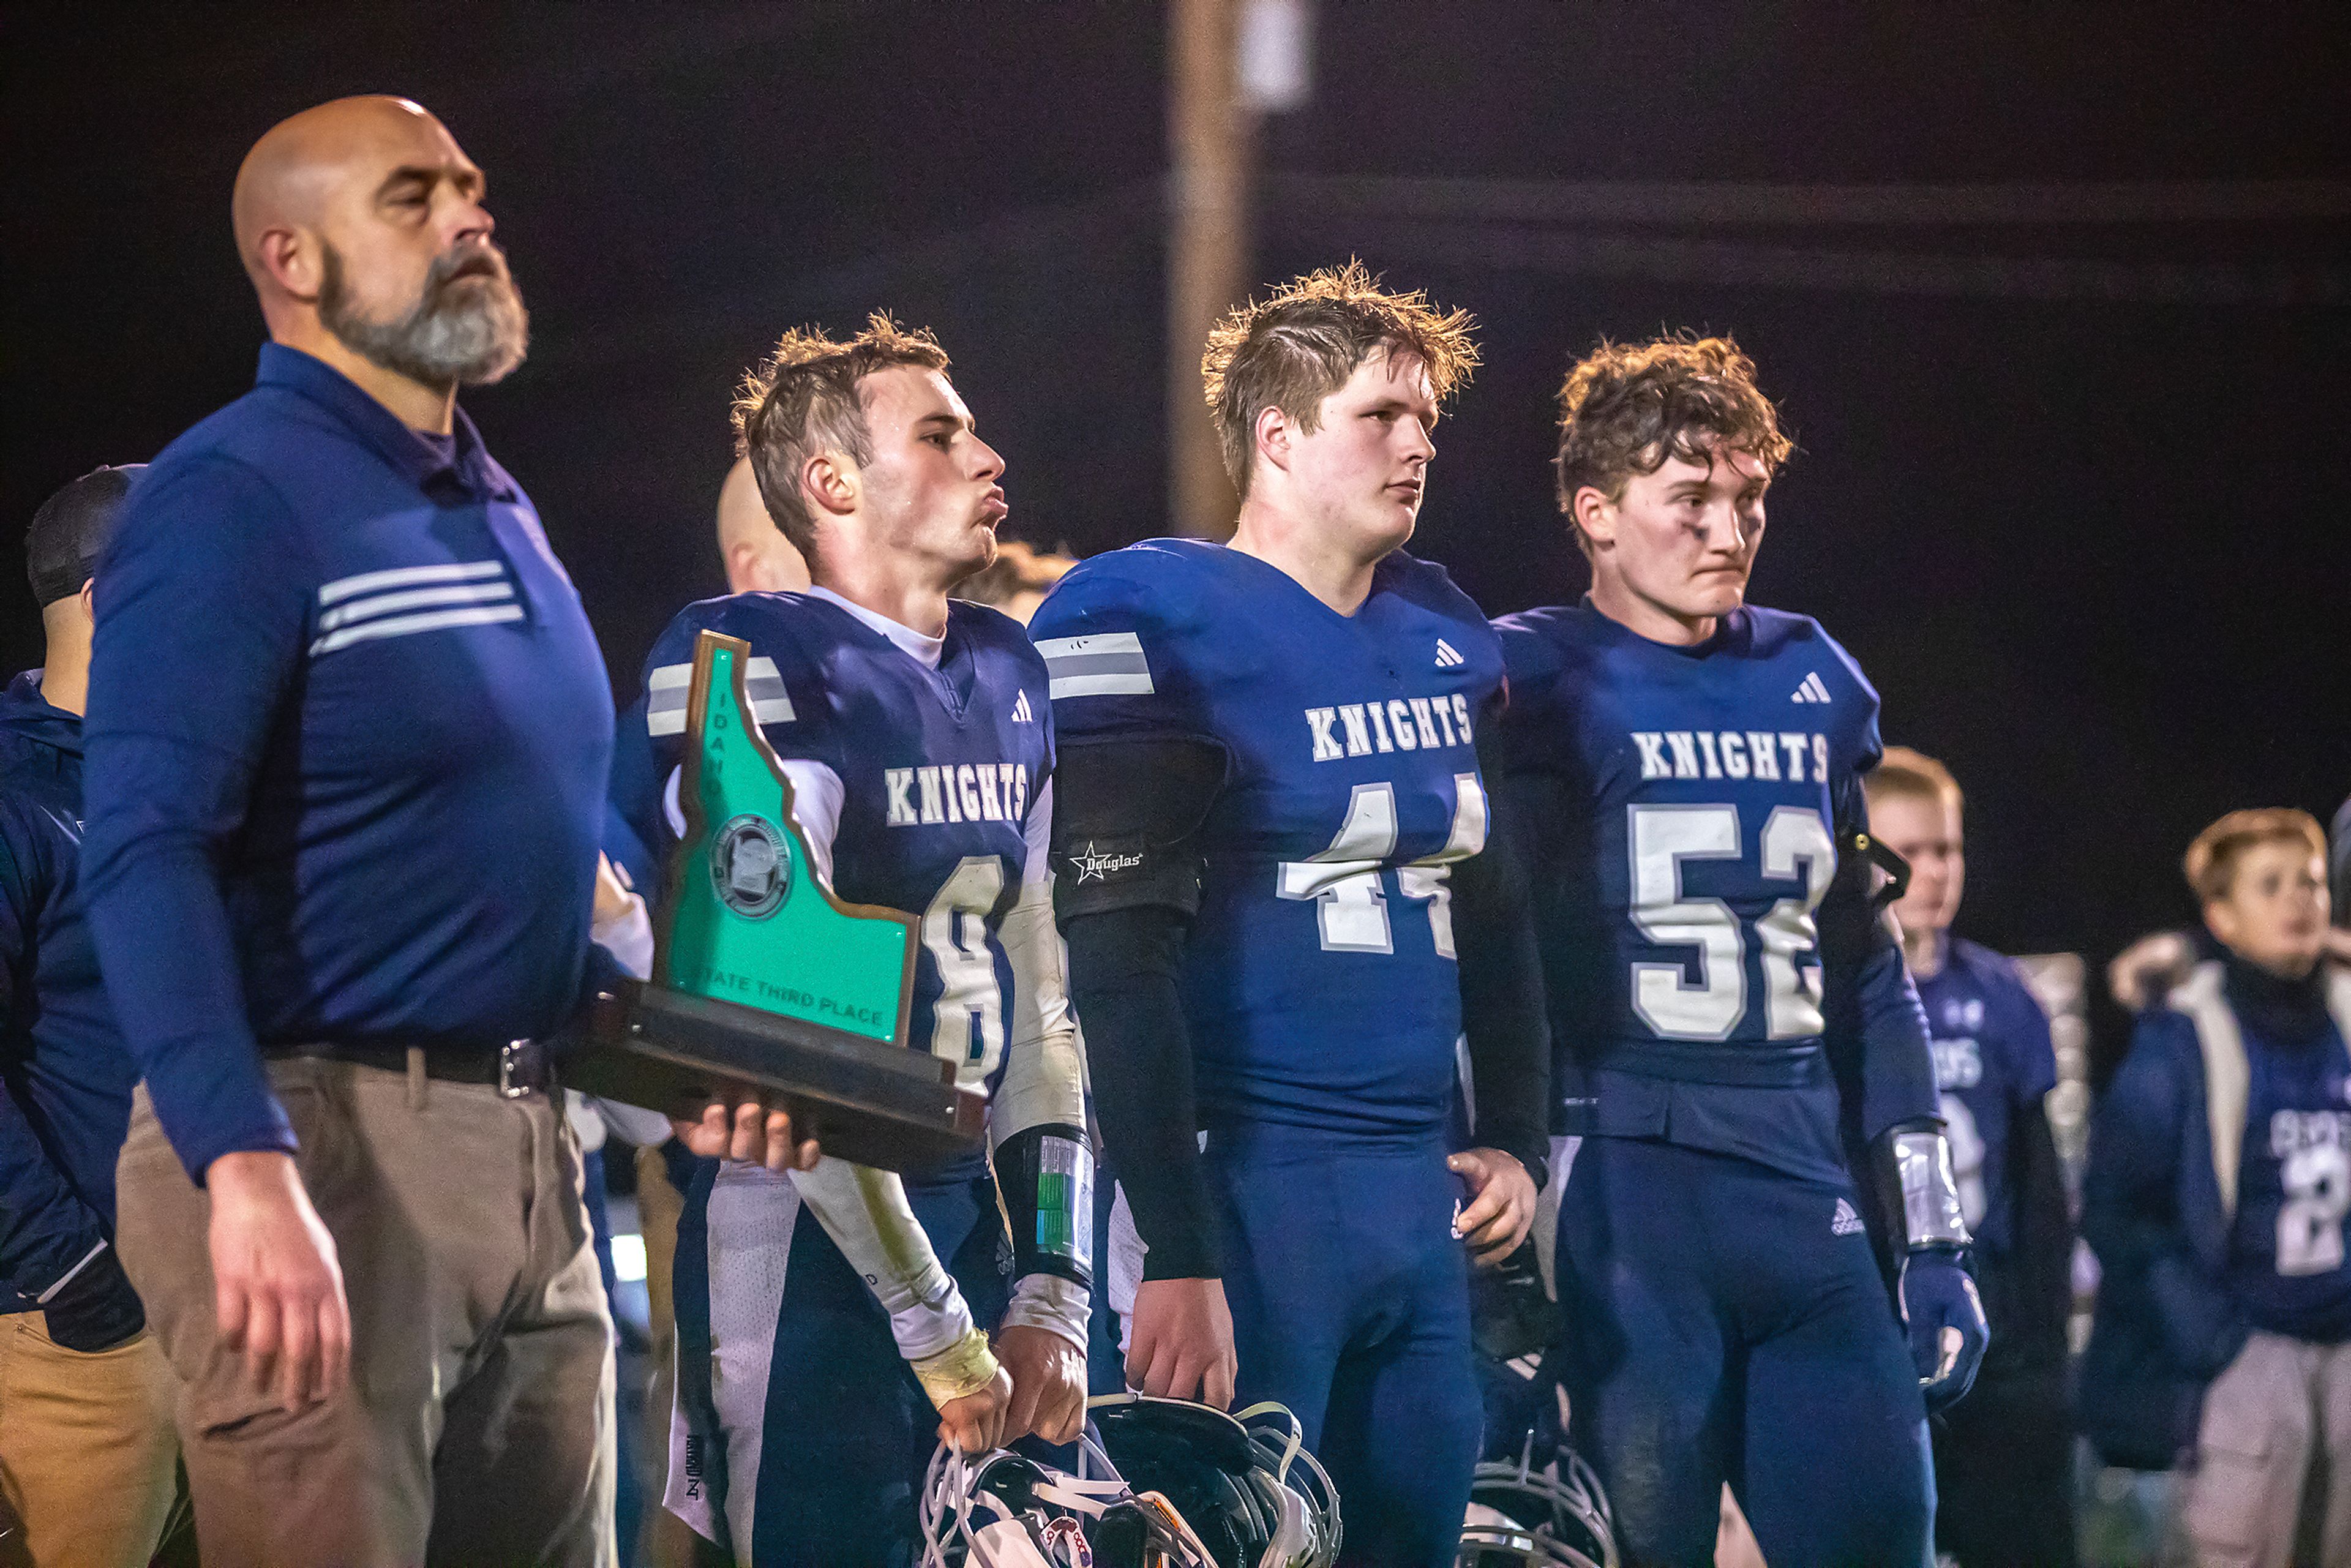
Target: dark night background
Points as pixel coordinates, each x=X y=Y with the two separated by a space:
x=2072 y=489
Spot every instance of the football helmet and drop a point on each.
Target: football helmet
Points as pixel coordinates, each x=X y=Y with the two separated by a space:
x=1523 y=1514
x=1002 y=1509
x=1244 y=1485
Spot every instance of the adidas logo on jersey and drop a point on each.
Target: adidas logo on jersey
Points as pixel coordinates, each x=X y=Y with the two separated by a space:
x=1812 y=690
x=1847 y=1223
x=1020 y=713
x=1448 y=655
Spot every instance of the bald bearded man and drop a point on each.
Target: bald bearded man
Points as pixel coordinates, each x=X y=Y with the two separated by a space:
x=347 y=760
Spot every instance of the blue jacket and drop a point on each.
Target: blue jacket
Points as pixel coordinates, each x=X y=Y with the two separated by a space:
x=65 y=1078
x=2157 y=1208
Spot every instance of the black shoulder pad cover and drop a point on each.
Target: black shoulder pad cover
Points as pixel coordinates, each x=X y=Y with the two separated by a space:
x=1124 y=810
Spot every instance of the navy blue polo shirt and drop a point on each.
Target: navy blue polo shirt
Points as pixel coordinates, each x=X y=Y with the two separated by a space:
x=346 y=753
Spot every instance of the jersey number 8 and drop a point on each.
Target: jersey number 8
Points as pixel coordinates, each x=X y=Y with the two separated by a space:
x=1796 y=847
x=968 y=1022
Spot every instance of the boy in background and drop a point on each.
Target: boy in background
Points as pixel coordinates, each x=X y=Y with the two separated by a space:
x=2004 y=1456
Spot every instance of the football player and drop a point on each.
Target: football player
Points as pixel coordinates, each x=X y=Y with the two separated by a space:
x=1267 y=849
x=1723 y=995
x=918 y=738
x=2004 y=1456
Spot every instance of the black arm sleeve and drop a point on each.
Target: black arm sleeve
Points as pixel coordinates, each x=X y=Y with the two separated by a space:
x=1502 y=1010
x=1126 y=885
x=1122 y=966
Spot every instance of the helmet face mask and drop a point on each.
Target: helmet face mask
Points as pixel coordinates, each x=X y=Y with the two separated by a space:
x=1526 y=1518
x=1545 y=1508
x=1244 y=1483
x=1164 y=1480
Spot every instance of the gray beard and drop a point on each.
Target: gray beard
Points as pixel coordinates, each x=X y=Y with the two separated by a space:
x=447 y=339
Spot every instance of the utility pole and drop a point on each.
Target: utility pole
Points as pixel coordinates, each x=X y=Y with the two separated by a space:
x=1212 y=141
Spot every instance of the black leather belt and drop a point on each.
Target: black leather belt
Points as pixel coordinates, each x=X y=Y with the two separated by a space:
x=516 y=1067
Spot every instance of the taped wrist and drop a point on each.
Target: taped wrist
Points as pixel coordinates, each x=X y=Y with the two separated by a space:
x=963 y=1369
x=1913 y=1168
x=1045 y=1179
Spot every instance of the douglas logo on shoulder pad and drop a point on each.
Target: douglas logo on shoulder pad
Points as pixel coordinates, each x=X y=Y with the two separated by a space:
x=1098 y=864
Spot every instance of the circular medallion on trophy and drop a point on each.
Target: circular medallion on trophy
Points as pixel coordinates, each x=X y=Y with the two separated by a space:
x=750 y=869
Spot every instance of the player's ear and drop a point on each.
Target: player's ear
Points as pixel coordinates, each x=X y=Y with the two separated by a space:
x=830 y=481
x=1270 y=433
x=1592 y=511
x=2220 y=919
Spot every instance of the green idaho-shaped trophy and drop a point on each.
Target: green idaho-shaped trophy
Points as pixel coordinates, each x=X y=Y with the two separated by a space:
x=765 y=986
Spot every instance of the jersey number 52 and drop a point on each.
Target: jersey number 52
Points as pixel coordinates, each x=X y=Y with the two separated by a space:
x=1796 y=847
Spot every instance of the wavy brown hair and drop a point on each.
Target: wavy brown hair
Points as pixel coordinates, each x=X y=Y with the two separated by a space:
x=1625 y=408
x=802 y=400
x=1296 y=345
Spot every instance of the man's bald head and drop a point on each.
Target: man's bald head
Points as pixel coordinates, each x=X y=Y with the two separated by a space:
x=295 y=172
x=757 y=555
x=360 y=223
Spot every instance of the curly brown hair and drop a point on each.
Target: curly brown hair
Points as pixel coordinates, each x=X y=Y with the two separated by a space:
x=1625 y=408
x=802 y=400
x=1296 y=345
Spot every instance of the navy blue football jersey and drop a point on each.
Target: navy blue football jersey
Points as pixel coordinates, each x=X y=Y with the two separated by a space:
x=2286 y=1254
x=1707 y=789
x=1319 y=983
x=1993 y=1060
x=938 y=771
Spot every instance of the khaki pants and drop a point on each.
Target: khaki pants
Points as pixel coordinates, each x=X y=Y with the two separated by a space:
x=86 y=1450
x=2281 y=1404
x=477 y=1424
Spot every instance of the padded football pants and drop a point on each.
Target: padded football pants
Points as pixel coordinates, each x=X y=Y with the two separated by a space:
x=1725 y=1322
x=1351 y=1305
x=800 y=1435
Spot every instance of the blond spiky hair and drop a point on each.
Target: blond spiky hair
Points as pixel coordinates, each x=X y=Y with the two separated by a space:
x=802 y=400
x=1296 y=345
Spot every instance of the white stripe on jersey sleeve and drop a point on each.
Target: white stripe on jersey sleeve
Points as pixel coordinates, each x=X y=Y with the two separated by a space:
x=1104 y=664
x=670 y=689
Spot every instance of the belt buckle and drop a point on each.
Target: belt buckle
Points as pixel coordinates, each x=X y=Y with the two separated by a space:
x=510 y=1058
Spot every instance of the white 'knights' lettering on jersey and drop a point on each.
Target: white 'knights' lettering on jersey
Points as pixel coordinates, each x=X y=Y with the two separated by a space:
x=1958 y=1064
x=1732 y=753
x=958 y=792
x=2290 y=1132
x=1400 y=724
